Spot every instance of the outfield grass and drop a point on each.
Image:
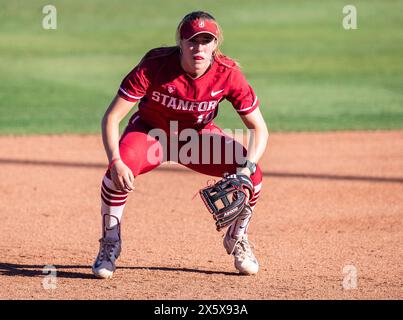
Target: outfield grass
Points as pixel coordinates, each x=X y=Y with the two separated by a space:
x=309 y=73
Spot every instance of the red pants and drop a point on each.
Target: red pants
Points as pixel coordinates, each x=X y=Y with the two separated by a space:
x=142 y=151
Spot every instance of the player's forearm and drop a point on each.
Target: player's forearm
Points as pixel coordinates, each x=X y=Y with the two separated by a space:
x=258 y=135
x=110 y=136
x=257 y=143
x=115 y=113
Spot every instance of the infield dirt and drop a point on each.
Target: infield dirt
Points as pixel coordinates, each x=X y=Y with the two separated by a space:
x=331 y=204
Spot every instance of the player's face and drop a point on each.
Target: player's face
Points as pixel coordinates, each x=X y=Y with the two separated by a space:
x=197 y=52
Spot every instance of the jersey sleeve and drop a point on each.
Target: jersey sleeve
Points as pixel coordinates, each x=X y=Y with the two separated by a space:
x=135 y=84
x=241 y=94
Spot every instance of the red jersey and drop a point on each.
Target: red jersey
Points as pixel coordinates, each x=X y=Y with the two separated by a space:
x=167 y=93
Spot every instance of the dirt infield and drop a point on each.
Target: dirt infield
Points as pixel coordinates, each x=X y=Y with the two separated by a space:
x=331 y=205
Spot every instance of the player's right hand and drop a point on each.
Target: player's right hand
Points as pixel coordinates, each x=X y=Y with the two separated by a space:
x=122 y=176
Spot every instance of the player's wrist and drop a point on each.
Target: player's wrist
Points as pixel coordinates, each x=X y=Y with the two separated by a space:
x=244 y=171
x=248 y=167
x=113 y=162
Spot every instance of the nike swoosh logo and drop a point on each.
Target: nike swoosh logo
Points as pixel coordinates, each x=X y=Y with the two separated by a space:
x=214 y=93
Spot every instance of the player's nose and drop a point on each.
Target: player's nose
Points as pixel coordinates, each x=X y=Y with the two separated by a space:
x=198 y=46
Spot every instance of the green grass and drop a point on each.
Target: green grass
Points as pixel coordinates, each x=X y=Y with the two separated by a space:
x=309 y=73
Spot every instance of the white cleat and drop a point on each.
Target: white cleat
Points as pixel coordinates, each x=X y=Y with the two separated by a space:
x=109 y=251
x=245 y=261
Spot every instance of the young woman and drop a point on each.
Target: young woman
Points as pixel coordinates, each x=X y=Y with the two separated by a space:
x=179 y=90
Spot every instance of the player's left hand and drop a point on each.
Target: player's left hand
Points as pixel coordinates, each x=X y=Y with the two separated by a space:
x=246 y=172
x=227 y=198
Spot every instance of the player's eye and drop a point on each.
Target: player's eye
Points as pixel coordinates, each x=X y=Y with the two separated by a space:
x=206 y=40
x=202 y=41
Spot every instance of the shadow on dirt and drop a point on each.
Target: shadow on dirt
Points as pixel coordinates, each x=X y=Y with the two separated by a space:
x=172 y=168
x=32 y=270
x=179 y=270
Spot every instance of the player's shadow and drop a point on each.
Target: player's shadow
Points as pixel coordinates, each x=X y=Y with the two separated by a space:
x=191 y=270
x=36 y=270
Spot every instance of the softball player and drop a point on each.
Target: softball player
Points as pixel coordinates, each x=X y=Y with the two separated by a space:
x=179 y=87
